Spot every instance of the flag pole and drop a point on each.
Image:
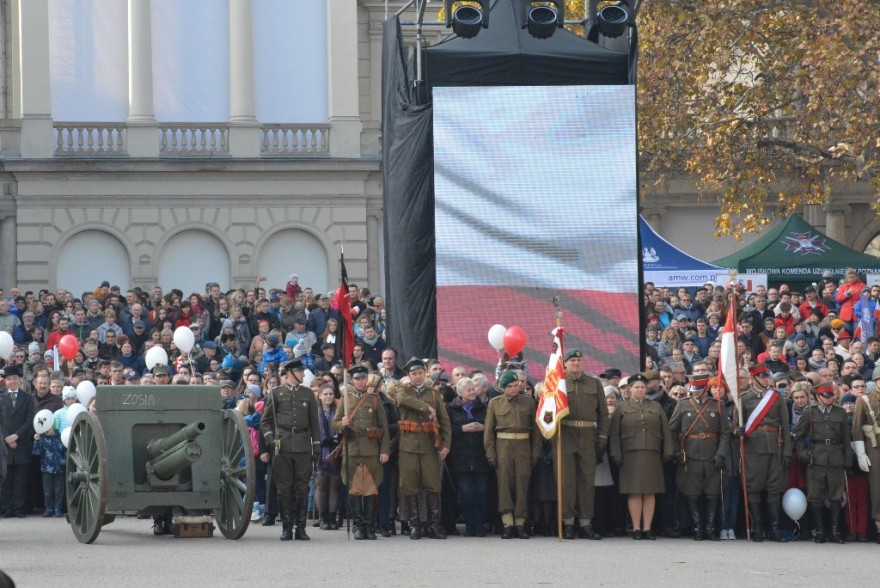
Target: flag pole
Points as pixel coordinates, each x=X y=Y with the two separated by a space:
x=738 y=407
x=558 y=313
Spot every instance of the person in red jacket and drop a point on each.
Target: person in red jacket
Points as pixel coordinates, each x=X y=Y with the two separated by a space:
x=812 y=301
x=847 y=295
x=63 y=329
x=785 y=318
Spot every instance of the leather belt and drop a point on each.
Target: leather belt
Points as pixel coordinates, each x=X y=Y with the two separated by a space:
x=577 y=424
x=514 y=436
x=768 y=429
x=702 y=436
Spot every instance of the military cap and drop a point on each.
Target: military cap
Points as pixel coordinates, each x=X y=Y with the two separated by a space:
x=826 y=390
x=358 y=371
x=293 y=364
x=573 y=352
x=637 y=378
x=759 y=369
x=698 y=382
x=507 y=378
x=414 y=364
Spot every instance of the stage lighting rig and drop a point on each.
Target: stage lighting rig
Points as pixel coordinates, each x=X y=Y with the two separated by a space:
x=613 y=19
x=467 y=20
x=542 y=20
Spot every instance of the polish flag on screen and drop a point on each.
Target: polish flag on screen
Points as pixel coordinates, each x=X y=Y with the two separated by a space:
x=553 y=405
x=727 y=364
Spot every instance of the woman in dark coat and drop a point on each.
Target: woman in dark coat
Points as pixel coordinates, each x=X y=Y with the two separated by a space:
x=639 y=442
x=467 y=458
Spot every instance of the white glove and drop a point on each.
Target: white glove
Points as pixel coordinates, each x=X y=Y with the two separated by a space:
x=864 y=460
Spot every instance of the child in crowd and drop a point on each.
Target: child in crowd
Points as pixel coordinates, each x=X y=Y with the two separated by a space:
x=53 y=462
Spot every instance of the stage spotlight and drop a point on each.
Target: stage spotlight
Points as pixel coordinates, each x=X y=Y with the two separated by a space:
x=613 y=19
x=466 y=21
x=542 y=20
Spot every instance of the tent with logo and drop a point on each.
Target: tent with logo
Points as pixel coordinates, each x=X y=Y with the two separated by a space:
x=795 y=251
x=664 y=264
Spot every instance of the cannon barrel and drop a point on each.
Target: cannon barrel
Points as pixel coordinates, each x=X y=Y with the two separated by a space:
x=157 y=447
x=176 y=460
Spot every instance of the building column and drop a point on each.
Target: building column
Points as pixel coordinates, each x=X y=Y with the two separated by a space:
x=835 y=221
x=654 y=216
x=8 y=235
x=343 y=87
x=244 y=131
x=33 y=97
x=374 y=219
x=141 y=135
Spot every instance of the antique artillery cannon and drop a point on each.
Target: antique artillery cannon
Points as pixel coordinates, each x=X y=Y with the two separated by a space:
x=150 y=448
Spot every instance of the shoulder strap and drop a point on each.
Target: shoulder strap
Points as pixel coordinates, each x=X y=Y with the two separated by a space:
x=867 y=401
x=700 y=412
x=357 y=406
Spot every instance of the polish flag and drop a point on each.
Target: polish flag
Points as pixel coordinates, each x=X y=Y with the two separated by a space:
x=727 y=364
x=553 y=405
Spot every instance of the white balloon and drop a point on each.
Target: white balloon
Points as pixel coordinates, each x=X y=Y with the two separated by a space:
x=43 y=421
x=7 y=345
x=65 y=436
x=307 y=378
x=156 y=356
x=73 y=411
x=184 y=339
x=496 y=336
x=794 y=503
x=85 y=391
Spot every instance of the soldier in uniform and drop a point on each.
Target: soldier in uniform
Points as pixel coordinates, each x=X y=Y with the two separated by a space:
x=768 y=448
x=822 y=437
x=703 y=432
x=513 y=446
x=425 y=438
x=866 y=442
x=584 y=436
x=290 y=427
x=362 y=420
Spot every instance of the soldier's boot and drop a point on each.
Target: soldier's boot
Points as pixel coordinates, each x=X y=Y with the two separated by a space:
x=286 y=524
x=301 y=516
x=819 y=521
x=412 y=506
x=711 y=514
x=357 y=517
x=370 y=517
x=694 y=508
x=774 y=509
x=757 y=533
x=836 y=535
x=437 y=530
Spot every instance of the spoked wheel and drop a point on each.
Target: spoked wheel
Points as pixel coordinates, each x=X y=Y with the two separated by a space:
x=237 y=477
x=86 y=479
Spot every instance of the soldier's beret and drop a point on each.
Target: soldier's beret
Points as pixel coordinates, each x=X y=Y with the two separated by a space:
x=574 y=352
x=507 y=378
x=637 y=378
x=414 y=364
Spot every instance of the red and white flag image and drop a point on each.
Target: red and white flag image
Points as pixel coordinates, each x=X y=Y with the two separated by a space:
x=553 y=404
x=727 y=364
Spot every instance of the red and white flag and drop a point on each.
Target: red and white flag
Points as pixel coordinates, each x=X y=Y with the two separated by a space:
x=553 y=405
x=727 y=364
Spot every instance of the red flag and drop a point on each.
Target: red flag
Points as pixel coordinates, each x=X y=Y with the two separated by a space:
x=553 y=405
x=342 y=303
x=727 y=363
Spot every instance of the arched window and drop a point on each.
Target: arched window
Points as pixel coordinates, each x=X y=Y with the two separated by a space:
x=191 y=259
x=294 y=252
x=90 y=257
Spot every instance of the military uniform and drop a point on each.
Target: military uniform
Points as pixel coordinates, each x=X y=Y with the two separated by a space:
x=513 y=443
x=366 y=437
x=822 y=436
x=700 y=424
x=421 y=438
x=584 y=435
x=868 y=449
x=768 y=446
x=290 y=427
x=639 y=442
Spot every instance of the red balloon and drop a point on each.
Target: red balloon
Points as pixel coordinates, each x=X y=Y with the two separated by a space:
x=68 y=346
x=514 y=341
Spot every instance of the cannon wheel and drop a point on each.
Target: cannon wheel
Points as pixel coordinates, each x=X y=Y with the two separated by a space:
x=86 y=479
x=237 y=480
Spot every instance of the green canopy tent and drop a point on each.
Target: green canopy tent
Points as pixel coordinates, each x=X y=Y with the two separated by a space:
x=795 y=251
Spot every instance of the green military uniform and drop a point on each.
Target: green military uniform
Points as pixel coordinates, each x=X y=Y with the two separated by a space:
x=290 y=426
x=867 y=414
x=822 y=436
x=766 y=448
x=366 y=437
x=700 y=424
x=421 y=438
x=639 y=441
x=513 y=443
x=584 y=435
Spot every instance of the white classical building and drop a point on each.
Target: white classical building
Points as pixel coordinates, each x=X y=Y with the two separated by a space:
x=176 y=142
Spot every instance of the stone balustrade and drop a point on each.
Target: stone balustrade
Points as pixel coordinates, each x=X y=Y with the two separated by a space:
x=294 y=140
x=89 y=139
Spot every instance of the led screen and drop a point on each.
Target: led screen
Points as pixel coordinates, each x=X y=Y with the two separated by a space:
x=535 y=197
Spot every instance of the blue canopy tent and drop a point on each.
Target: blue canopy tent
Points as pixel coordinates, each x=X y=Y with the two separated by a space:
x=666 y=265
